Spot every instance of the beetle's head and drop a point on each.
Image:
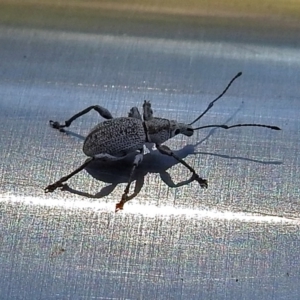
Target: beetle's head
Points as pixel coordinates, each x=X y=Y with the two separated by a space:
x=187 y=129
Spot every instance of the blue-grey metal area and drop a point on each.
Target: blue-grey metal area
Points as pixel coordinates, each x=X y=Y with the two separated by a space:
x=239 y=239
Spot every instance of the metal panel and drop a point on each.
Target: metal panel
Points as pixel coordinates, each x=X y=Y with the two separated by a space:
x=239 y=239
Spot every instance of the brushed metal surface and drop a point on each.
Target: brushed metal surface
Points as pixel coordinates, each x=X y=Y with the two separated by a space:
x=239 y=239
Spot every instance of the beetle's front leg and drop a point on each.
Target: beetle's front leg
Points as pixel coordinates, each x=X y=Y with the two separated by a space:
x=137 y=160
x=163 y=149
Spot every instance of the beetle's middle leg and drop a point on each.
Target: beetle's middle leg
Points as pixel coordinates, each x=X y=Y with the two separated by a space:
x=52 y=187
x=163 y=149
x=103 y=112
x=137 y=160
x=147 y=111
x=134 y=113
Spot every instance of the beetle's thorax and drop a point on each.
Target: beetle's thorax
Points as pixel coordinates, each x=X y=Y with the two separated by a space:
x=159 y=130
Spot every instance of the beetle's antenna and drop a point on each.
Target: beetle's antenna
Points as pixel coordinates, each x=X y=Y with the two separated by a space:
x=211 y=126
x=238 y=125
x=212 y=103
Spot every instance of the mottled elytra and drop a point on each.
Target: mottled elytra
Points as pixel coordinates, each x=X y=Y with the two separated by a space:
x=116 y=138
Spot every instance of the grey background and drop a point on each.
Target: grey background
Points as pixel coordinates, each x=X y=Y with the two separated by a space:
x=239 y=239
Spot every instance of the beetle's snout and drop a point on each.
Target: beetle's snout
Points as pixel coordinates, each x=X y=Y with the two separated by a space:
x=187 y=130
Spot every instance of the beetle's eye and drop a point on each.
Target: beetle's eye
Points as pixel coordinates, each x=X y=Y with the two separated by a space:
x=190 y=129
x=177 y=131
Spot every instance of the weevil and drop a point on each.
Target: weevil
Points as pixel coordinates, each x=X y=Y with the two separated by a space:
x=116 y=138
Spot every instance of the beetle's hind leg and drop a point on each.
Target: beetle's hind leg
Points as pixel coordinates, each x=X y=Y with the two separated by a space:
x=103 y=112
x=52 y=187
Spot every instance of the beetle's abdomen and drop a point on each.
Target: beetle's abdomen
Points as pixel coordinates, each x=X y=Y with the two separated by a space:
x=116 y=137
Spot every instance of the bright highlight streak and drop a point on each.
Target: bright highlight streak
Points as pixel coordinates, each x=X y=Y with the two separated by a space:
x=148 y=210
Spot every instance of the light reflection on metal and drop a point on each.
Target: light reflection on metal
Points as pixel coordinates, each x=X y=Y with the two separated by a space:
x=152 y=210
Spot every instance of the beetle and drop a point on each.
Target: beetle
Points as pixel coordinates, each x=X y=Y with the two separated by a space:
x=116 y=138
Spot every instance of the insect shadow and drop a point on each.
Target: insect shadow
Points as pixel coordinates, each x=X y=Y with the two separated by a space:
x=116 y=172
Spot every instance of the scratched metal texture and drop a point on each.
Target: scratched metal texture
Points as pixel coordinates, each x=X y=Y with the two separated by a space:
x=239 y=239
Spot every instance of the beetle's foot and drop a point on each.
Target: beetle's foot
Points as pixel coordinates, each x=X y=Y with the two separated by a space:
x=120 y=205
x=203 y=182
x=56 y=125
x=52 y=187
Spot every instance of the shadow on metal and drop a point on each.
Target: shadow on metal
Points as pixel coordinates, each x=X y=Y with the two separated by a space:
x=117 y=172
